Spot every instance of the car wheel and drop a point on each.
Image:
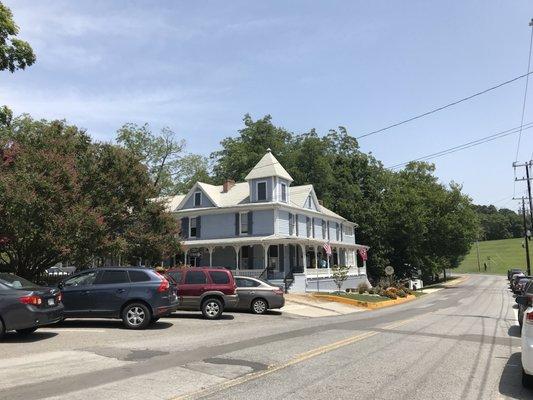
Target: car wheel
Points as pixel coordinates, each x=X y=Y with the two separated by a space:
x=527 y=380
x=136 y=316
x=27 y=331
x=155 y=319
x=259 y=306
x=2 y=329
x=212 y=308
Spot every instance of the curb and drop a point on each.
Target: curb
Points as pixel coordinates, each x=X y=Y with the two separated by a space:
x=367 y=304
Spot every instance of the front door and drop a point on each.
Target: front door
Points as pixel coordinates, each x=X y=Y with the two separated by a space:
x=78 y=295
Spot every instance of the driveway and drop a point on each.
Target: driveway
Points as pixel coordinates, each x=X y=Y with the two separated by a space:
x=458 y=343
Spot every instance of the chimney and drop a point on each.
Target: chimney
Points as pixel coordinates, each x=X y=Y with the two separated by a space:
x=227 y=185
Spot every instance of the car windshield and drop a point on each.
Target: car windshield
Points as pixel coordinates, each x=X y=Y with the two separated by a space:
x=16 y=282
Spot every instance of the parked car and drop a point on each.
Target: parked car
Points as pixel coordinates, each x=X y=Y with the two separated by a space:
x=209 y=290
x=527 y=341
x=521 y=284
x=136 y=295
x=512 y=271
x=514 y=281
x=524 y=304
x=258 y=296
x=25 y=306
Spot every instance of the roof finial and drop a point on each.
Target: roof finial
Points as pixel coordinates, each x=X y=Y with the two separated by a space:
x=269 y=150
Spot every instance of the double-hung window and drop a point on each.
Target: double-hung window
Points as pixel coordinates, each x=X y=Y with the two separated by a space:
x=261 y=191
x=324 y=229
x=309 y=227
x=243 y=223
x=192 y=227
x=197 y=199
x=292 y=222
x=284 y=192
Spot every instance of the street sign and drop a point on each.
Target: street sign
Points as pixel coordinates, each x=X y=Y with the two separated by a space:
x=389 y=270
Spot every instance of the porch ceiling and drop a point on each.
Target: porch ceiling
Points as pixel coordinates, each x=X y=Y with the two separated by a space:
x=271 y=239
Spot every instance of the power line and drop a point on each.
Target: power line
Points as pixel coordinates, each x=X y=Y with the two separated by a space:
x=525 y=91
x=467 y=145
x=443 y=107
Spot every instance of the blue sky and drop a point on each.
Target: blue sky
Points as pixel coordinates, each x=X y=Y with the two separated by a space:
x=198 y=67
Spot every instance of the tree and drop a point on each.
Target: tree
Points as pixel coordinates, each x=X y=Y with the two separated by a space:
x=14 y=53
x=64 y=198
x=339 y=274
x=161 y=153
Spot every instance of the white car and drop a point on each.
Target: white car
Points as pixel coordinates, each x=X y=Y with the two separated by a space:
x=527 y=344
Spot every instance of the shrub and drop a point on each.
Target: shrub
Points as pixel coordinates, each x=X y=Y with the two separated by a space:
x=371 y=291
x=401 y=293
x=407 y=290
x=390 y=294
x=363 y=287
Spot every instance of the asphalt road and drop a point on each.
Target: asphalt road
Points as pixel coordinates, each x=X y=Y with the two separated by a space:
x=459 y=343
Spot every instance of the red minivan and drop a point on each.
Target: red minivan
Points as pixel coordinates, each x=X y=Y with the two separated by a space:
x=209 y=290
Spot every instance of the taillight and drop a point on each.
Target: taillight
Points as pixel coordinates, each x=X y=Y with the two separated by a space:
x=33 y=300
x=163 y=287
x=529 y=318
x=59 y=297
x=278 y=291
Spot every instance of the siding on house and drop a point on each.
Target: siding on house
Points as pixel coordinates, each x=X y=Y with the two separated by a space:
x=253 y=189
x=318 y=228
x=263 y=224
x=302 y=227
x=283 y=223
x=205 y=201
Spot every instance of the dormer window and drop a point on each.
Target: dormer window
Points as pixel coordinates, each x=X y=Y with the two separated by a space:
x=284 y=192
x=261 y=191
x=197 y=199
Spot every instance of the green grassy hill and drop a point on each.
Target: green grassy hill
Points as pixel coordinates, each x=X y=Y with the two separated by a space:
x=499 y=255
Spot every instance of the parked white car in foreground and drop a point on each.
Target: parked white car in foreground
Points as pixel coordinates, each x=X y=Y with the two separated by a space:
x=527 y=343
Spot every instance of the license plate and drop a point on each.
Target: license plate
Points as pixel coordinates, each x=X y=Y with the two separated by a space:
x=51 y=302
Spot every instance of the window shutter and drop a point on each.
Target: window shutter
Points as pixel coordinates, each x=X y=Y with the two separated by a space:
x=297 y=227
x=250 y=222
x=313 y=226
x=307 y=222
x=337 y=231
x=237 y=230
x=291 y=218
x=342 y=232
x=185 y=228
x=198 y=227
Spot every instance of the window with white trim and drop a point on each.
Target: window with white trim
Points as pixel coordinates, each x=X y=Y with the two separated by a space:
x=324 y=229
x=283 y=192
x=309 y=227
x=197 y=199
x=261 y=191
x=292 y=221
x=243 y=223
x=192 y=227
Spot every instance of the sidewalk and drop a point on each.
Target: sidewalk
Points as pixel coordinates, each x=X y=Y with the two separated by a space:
x=312 y=307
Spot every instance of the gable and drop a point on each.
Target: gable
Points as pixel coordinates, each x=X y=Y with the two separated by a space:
x=206 y=199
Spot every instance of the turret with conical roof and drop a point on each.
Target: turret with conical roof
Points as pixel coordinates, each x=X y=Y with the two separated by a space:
x=268 y=180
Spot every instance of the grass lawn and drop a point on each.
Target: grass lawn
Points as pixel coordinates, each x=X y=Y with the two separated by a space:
x=500 y=255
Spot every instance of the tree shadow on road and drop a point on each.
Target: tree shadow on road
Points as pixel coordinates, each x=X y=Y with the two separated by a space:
x=196 y=315
x=104 y=324
x=511 y=380
x=14 y=337
x=514 y=331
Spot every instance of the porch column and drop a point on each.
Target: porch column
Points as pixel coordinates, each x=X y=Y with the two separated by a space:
x=210 y=250
x=185 y=252
x=237 y=250
x=304 y=257
x=316 y=257
x=265 y=255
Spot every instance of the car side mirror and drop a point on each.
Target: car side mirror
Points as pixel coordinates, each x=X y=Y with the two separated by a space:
x=523 y=300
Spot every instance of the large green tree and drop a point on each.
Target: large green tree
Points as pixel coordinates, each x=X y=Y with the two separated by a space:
x=14 y=53
x=64 y=198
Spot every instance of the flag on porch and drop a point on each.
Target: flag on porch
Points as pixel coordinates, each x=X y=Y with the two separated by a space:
x=363 y=254
x=327 y=249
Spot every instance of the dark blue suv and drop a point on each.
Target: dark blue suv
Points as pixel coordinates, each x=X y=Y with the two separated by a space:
x=136 y=295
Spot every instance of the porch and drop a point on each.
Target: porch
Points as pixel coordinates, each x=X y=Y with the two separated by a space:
x=274 y=258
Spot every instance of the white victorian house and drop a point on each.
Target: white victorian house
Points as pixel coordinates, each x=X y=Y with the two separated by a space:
x=264 y=227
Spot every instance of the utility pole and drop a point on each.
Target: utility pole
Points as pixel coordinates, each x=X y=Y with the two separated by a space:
x=526 y=237
x=528 y=165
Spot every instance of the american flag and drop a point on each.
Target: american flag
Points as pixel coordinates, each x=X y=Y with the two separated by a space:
x=327 y=248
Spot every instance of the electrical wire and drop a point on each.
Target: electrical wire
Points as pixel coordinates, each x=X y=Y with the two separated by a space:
x=467 y=145
x=525 y=93
x=443 y=107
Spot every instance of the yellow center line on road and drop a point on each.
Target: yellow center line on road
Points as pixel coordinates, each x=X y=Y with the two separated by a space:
x=296 y=360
